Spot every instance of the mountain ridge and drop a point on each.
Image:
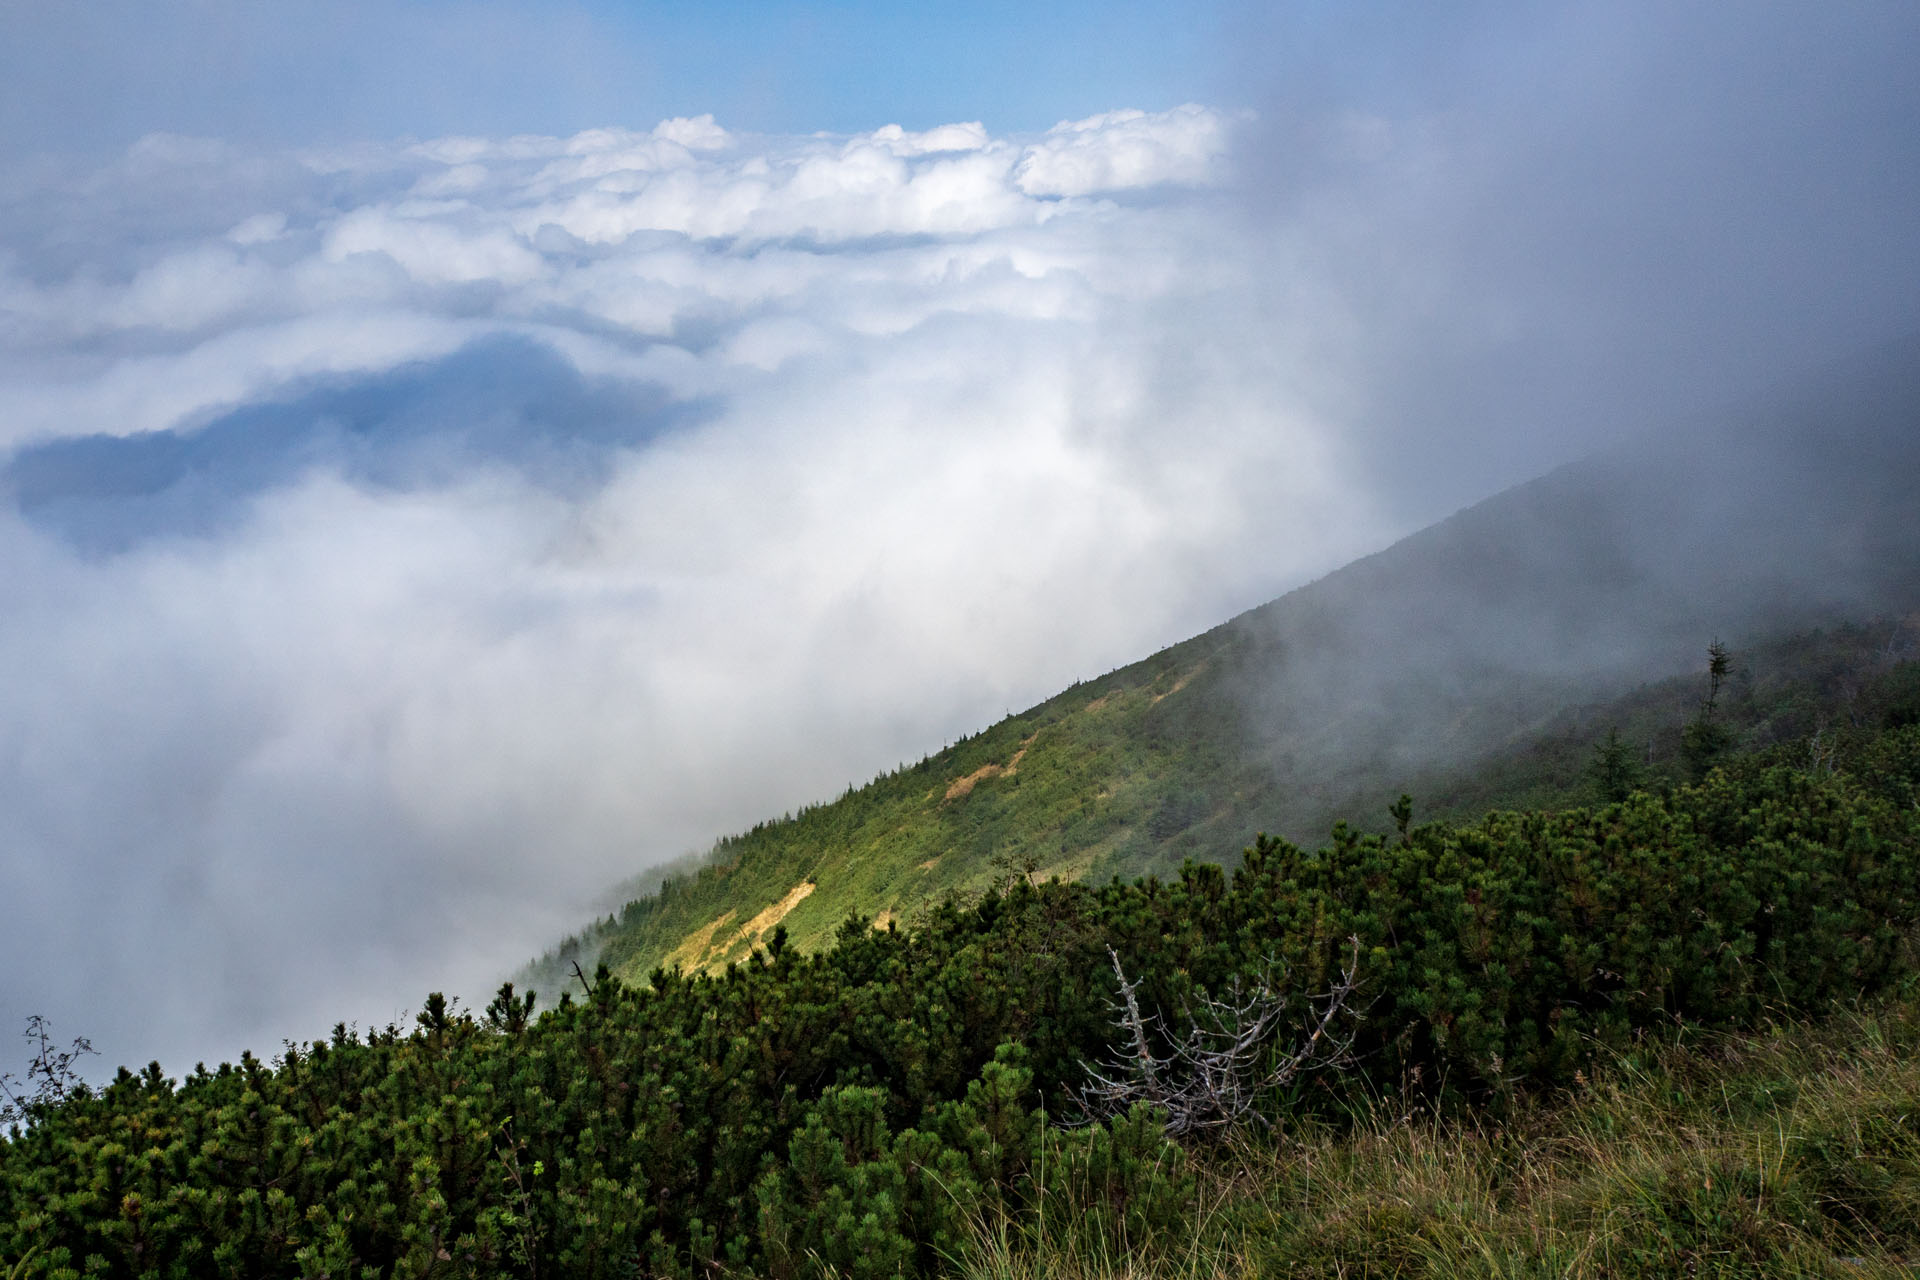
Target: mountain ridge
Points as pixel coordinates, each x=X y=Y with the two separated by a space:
x=1463 y=640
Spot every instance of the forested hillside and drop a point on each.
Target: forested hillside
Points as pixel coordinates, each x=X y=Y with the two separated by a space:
x=914 y=1101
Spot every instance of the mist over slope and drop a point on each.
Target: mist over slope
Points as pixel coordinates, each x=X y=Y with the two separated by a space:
x=1457 y=643
x=1780 y=515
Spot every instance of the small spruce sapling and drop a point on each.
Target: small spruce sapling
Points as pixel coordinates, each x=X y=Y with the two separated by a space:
x=1614 y=772
x=509 y=1013
x=1705 y=740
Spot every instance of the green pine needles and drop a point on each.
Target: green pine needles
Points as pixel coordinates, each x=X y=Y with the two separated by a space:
x=906 y=1101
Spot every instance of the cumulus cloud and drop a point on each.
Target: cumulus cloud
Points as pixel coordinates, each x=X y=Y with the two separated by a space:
x=408 y=542
x=1124 y=149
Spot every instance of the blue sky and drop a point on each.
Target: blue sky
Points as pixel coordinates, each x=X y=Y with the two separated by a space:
x=103 y=74
x=454 y=457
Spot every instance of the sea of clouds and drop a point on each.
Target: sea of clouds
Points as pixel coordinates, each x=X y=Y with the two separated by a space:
x=403 y=543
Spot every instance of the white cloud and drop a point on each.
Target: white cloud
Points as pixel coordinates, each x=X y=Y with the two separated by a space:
x=971 y=136
x=258 y=229
x=1124 y=150
x=699 y=133
x=192 y=290
x=427 y=243
x=155 y=392
x=960 y=433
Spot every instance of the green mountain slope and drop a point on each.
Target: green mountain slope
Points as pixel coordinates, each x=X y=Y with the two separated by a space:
x=1475 y=663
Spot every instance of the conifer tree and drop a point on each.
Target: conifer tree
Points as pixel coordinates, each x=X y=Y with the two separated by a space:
x=1614 y=771
x=1705 y=740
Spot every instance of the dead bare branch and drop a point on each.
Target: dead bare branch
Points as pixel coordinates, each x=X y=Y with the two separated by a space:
x=51 y=1075
x=1212 y=1077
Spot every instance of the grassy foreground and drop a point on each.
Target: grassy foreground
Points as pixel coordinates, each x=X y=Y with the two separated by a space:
x=1794 y=1151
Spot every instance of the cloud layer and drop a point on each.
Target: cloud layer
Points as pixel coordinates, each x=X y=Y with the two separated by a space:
x=406 y=543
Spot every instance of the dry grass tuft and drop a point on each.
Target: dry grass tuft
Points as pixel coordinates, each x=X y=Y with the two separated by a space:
x=1791 y=1152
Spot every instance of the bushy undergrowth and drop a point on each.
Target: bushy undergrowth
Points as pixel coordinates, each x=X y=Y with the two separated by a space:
x=886 y=1105
x=1793 y=1151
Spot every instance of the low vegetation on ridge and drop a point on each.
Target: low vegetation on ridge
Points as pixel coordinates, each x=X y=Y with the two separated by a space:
x=1579 y=1043
x=1138 y=771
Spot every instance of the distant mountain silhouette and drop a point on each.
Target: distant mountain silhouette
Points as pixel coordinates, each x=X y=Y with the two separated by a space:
x=504 y=402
